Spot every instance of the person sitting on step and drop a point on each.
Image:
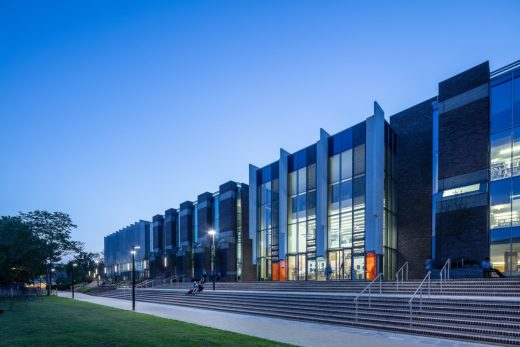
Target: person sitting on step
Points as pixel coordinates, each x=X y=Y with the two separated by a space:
x=489 y=269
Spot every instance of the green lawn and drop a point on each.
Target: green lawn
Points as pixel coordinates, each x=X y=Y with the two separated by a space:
x=63 y=322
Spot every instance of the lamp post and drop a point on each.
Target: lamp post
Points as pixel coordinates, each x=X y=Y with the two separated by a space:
x=72 y=278
x=97 y=276
x=212 y=233
x=133 y=275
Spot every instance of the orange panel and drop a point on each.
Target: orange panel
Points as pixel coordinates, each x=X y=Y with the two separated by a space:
x=276 y=271
x=371 y=265
x=283 y=275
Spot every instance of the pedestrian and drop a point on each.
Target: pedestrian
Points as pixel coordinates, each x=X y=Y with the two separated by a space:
x=328 y=271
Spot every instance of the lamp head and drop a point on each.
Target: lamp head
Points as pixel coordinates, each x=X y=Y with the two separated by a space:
x=212 y=232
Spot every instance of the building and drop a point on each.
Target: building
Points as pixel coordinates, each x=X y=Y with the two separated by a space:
x=118 y=259
x=328 y=210
x=437 y=181
x=460 y=146
x=178 y=244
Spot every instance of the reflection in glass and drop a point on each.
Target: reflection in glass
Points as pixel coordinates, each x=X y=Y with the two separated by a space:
x=501 y=107
x=500 y=209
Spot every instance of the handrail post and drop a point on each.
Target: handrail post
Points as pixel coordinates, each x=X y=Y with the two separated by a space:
x=429 y=284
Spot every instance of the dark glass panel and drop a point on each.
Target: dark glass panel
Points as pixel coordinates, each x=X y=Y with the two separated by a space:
x=516 y=101
x=501 y=107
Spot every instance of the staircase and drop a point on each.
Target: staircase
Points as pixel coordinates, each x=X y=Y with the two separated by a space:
x=476 y=310
x=487 y=287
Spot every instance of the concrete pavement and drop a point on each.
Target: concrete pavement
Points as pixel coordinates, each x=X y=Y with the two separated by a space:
x=286 y=331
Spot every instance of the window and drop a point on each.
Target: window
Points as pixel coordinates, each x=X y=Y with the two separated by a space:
x=302 y=209
x=291 y=245
x=302 y=180
x=311 y=204
x=346 y=164
x=359 y=159
x=500 y=209
x=292 y=183
x=334 y=168
x=461 y=190
x=302 y=237
x=516 y=101
x=346 y=230
x=334 y=198
x=500 y=166
x=359 y=192
x=346 y=195
x=334 y=231
x=501 y=107
x=515 y=212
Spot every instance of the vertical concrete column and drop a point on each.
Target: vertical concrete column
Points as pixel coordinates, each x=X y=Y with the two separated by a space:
x=322 y=169
x=282 y=203
x=253 y=209
x=375 y=178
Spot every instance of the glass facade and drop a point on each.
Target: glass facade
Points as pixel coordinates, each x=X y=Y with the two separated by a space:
x=390 y=206
x=267 y=227
x=301 y=217
x=346 y=207
x=117 y=247
x=239 y=250
x=504 y=167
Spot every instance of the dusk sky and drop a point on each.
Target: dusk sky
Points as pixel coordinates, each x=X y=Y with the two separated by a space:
x=114 y=111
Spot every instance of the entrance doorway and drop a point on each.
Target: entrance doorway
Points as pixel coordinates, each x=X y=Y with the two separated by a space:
x=340 y=262
x=297 y=267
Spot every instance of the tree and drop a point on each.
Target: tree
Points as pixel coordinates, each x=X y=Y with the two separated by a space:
x=54 y=231
x=85 y=263
x=21 y=255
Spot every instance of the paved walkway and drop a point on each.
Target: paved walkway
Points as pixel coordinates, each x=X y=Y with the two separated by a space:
x=287 y=331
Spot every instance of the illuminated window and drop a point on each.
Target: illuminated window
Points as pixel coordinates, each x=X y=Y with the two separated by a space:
x=461 y=190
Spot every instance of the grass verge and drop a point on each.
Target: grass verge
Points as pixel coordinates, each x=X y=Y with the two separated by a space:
x=57 y=321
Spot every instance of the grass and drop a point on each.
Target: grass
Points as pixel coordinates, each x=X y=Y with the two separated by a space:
x=57 y=321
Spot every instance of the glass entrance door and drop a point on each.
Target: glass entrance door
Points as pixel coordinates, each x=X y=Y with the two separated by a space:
x=297 y=267
x=302 y=266
x=292 y=269
x=340 y=262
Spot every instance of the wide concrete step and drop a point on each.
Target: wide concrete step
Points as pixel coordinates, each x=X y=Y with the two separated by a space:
x=272 y=297
x=502 y=333
x=348 y=311
x=499 y=311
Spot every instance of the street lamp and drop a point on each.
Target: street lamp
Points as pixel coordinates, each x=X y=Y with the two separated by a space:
x=212 y=233
x=72 y=278
x=133 y=275
x=97 y=266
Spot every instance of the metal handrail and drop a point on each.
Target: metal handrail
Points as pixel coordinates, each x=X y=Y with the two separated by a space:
x=401 y=270
x=420 y=291
x=175 y=278
x=369 y=288
x=445 y=272
x=144 y=283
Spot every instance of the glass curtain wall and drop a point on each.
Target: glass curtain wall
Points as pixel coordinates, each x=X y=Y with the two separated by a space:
x=505 y=173
x=301 y=224
x=240 y=262
x=346 y=212
x=390 y=206
x=267 y=222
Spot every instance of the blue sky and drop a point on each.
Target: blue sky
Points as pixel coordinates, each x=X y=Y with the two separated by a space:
x=114 y=111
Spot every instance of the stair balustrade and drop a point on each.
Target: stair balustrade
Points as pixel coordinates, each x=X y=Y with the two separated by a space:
x=445 y=273
x=403 y=272
x=369 y=288
x=419 y=291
